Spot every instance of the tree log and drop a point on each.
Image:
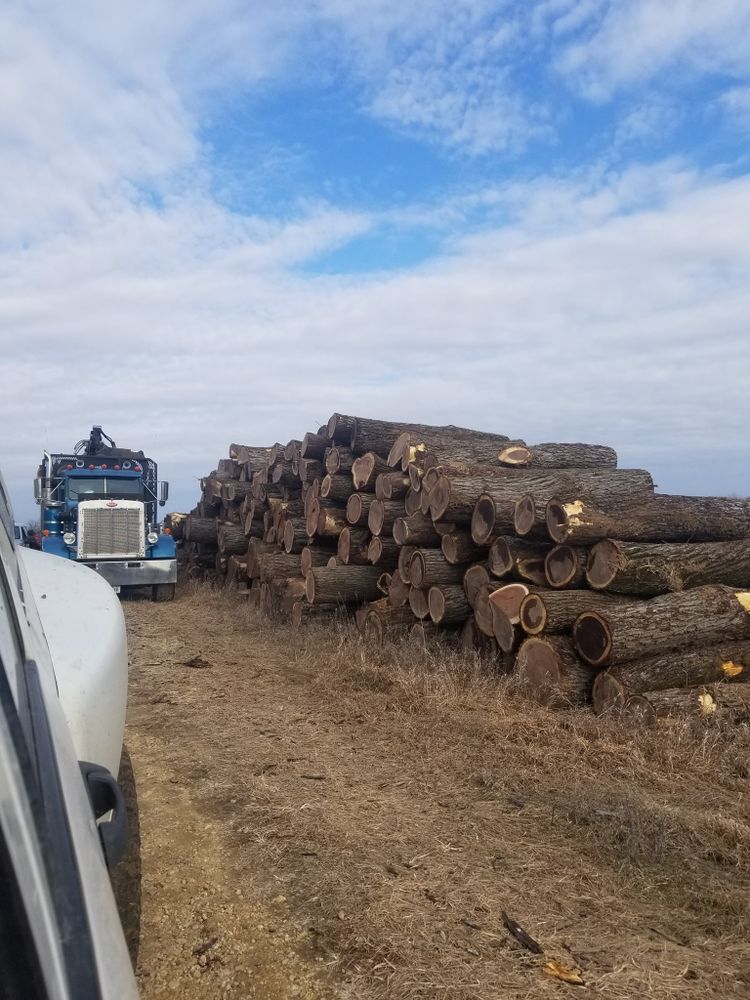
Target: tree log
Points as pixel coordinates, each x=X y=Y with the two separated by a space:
x=391 y=486
x=558 y=456
x=474 y=578
x=358 y=508
x=284 y=474
x=730 y=701
x=313 y=556
x=405 y=556
x=292 y=451
x=383 y=551
x=726 y=662
x=314 y=446
x=342 y=585
x=418 y=602
x=651 y=569
x=275 y=564
x=338 y=488
x=309 y=470
x=398 y=591
x=412 y=502
x=447 y=604
x=507 y=635
x=416 y=530
x=295 y=535
x=507 y=552
x=352 y=546
x=565 y=566
x=557 y=610
x=549 y=671
x=339 y=428
x=664 y=519
x=339 y=461
x=201 y=529
x=250 y=455
x=428 y=567
x=456 y=444
x=232 y=540
x=374 y=435
x=473 y=639
x=385 y=622
x=303 y=613
x=331 y=522
x=458 y=548
x=696 y=617
x=383 y=514
x=365 y=471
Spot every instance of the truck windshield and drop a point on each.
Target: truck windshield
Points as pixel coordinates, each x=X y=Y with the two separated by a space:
x=99 y=487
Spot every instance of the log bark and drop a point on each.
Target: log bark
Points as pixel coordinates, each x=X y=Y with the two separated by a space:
x=474 y=578
x=303 y=613
x=352 y=546
x=565 y=566
x=650 y=569
x=383 y=551
x=252 y=456
x=418 y=602
x=342 y=585
x=310 y=469
x=727 y=662
x=339 y=461
x=331 y=522
x=386 y=622
x=731 y=701
x=277 y=564
x=473 y=639
x=412 y=502
x=284 y=474
x=458 y=548
x=696 y=617
x=454 y=444
x=405 y=556
x=549 y=671
x=398 y=591
x=556 y=610
x=365 y=471
x=384 y=583
x=339 y=428
x=664 y=519
x=428 y=567
x=374 y=435
x=507 y=552
x=314 y=446
x=338 y=488
x=202 y=529
x=232 y=540
x=416 y=530
x=447 y=604
x=295 y=535
x=558 y=456
x=292 y=450
x=382 y=515
x=507 y=635
x=358 y=508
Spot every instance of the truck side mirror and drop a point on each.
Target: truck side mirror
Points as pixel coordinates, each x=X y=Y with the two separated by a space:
x=163 y=493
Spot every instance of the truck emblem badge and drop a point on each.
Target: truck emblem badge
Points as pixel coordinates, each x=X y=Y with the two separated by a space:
x=111 y=503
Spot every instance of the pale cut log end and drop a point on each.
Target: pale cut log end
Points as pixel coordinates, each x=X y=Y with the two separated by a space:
x=608 y=695
x=400 y=531
x=384 y=583
x=415 y=477
x=524 y=515
x=509 y=599
x=399 y=448
x=419 y=603
x=438 y=498
x=354 y=508
x=474 y=579
x=533 y=614
x=602 y=565
x=417 y=569
x=376 y=517
x=502 y=627
x=310 y=587
x=344 y=545
x=289 y=536
x=436 y=604
x=592 y=638
x=514 y=456
x=483 y=520
x=375 y=550
x=538 y=669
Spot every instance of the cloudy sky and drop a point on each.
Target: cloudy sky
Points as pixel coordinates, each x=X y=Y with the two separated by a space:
x=224 y=219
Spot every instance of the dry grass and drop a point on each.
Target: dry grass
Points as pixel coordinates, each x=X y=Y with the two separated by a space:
x=404 y=797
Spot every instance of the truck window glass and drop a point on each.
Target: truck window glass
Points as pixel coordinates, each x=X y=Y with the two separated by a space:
x=97 y=488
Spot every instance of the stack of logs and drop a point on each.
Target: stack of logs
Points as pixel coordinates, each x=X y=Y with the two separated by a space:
x=560 y=567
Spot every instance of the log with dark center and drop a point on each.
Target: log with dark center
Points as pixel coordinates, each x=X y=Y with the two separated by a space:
x=474 y=578
x=339 y=428
x=365 y=471
x=664 y=519
x=558 y=456
x=418 y=602
x=231 y=540
x=339 y=460
x=448 y=604
x=201 y=529
x=358 y=508
x=383 y=551
x=530 y=518
x=416 y=530
x=565 y=566
x=428 y=567
x=314 y=446
x=312 y=556
x=507 y=551
x=725 y=662
x=557 y=610
x=391 y=486
x=295 y=534
x=342 y=585
x=458 y=547
x=415 y=473
x=382 y=515
x=696 y=617
x=649 y=569
x=549 y=671
x=352 y=546
x=338 y=488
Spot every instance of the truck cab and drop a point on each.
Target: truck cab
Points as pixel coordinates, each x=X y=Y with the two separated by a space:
x=100 y=507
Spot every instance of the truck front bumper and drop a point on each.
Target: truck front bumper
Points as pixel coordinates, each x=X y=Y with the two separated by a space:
x=135 y=572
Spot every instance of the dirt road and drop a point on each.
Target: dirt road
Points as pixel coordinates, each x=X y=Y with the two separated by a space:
x=318 y=821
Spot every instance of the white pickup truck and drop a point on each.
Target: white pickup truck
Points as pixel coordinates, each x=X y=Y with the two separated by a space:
x=63 y=689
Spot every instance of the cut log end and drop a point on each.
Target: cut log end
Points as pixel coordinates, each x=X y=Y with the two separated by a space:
x=310 y=587
x=609 y=695
x=417 y=570
x=500 y=558
x=524 y=516
x=439 y=498
x=483 y=519
x=539 y=667
x=436 y=604
x=602 y=565
x=509 y=599
x=561 y=565
x=515 y=455
x=502 y=628
x=419 y=603
x=557 y=520
x=592 y=638
x=533 y=614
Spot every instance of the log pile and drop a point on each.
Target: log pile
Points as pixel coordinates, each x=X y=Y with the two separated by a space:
x=561 y=568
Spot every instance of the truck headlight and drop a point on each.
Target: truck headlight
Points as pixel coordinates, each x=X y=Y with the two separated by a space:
x=152 y=538
x=69 y=537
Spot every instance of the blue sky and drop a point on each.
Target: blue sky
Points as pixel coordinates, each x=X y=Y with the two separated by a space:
x=223 y=221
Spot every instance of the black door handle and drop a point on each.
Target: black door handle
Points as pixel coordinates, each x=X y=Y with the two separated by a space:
x=105 y=795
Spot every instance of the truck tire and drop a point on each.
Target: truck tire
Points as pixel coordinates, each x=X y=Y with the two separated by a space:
x=163 y=592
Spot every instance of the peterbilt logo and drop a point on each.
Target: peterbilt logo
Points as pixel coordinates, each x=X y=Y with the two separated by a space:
x=111 y=503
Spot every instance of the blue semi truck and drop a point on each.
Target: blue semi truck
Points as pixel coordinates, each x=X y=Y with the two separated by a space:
x=99 y=506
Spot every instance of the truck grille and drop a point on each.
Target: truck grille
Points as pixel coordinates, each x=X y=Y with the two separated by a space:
x=106 y=532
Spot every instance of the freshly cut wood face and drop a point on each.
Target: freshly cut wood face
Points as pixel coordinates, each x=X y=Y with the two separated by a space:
x=744 y=598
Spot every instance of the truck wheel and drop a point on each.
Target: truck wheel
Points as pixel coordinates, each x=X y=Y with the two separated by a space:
x=163 y=591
